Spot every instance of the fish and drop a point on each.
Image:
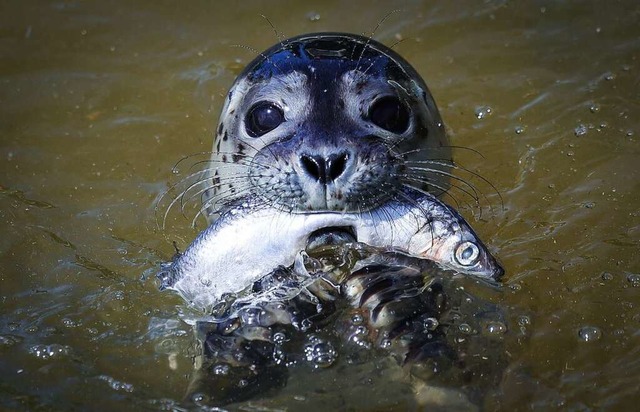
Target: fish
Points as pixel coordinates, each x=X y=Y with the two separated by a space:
x=252 y=239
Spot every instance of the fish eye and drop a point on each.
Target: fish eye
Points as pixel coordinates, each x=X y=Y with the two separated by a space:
x=467 y=253
x=262 y=118
x=390 y=114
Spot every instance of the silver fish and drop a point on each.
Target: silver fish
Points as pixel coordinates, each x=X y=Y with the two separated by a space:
x=252 y=239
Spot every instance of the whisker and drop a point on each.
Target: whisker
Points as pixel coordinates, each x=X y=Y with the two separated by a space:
x=445 y=173
x=264 y=56
x=454 y=165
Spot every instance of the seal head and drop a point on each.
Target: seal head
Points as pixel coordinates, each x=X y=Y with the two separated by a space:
x=326 y=122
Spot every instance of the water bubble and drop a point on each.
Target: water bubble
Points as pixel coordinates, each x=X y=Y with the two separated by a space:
x=49 y=351
x=634 y=279
x=385 y=343
x=431 y=324
x=594 y=108
x=589 y=333
x=495 y=328
x=242 y=383
x=580 y=130
x=305 y=324
x=279 y=338
x=116 y=384
x=589 y=205
x=524 y=320
x=313 y=16
x=221 y=369
x=320 y=352
x=520 y=129
x=483 y=111
x=609 y=76
x=607 y=276
x=465 y=328
x=199 y=398
x=357 y=319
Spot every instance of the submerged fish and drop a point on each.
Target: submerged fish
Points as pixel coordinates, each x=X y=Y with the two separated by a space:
x=252 y=239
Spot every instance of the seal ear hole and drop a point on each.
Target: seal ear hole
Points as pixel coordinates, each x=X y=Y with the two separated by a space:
x=262 y=118
x=389 y=113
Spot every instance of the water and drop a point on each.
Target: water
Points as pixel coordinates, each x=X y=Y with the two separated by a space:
x=100 y=99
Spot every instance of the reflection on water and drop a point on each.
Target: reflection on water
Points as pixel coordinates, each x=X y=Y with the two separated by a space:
x=101 y=99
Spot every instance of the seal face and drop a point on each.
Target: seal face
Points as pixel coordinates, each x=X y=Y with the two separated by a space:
x=326 y=122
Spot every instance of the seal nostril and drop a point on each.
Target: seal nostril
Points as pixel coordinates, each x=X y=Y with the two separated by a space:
x=324 y=170
x=315 y=167
x=336 y=165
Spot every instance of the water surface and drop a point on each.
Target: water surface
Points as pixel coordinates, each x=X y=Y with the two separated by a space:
x=98 y=100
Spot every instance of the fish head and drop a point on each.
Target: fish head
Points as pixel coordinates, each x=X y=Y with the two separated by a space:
x=454 y=245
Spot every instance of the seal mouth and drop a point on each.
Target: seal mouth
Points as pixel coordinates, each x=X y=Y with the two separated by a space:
x=331 y=235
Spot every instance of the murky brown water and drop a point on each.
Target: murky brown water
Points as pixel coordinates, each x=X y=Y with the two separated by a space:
x=98 y=100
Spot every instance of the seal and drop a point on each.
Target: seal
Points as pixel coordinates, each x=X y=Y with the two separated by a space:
x=326 y=122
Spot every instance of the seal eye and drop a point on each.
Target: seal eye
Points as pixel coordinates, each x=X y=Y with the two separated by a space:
x=389 y=113
x=467 y=253
x=262 y=118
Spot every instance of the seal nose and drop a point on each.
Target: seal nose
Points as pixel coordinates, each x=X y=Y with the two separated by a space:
x=324 y=170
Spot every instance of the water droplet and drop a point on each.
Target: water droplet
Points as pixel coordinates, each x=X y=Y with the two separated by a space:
x=221 y=369
x=319 y=352
x=116 y=384
x=243 y=383
x=520 y=129
x=357 y=319
x=483 y=111
x=279 y=338
x=589 y=333
x=609 y=76
x=465 y=328
x=198 y=398
x=594 y=108
x=495 y=328
x=589 y=205
x=580 y=130
x=49 y=351
x=70 y=323
x=361 y=330
x=385 y=343
x=607 y=276
x=431 y=324
x=524 y=320
x=313 y=16
x=634 y=279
